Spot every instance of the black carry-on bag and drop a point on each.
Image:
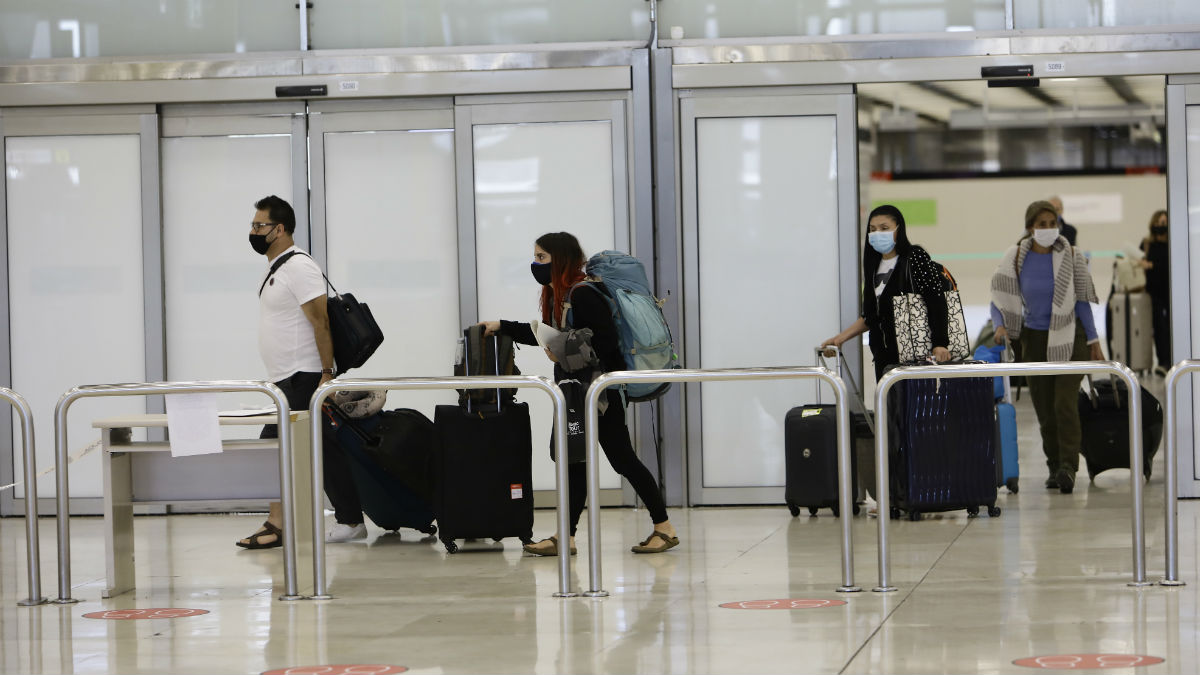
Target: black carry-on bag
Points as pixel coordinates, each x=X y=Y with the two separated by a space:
x=483 y=460
x=1104 y=420
x=390 y=455
x=810 y=448
x=943 y=457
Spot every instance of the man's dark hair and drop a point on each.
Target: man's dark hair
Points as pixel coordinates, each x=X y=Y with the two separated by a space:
x=280 y=212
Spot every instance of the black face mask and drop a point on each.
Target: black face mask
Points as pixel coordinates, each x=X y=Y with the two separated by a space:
x=1159 y=229
x=259 y=243
x=541 y=272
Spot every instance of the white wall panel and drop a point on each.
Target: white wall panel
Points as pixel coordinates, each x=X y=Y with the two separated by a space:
x=210 y=185
x=393 y=243
x=768 y=216
x=1192 y=221
x=531 y=179
x=75 y=285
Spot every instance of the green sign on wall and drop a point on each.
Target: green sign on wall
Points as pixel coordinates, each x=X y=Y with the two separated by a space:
x=917 y=212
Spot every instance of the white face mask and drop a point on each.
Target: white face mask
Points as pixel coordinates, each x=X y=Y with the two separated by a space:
x=1046 y=237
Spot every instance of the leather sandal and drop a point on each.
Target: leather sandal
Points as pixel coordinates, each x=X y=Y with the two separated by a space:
x=267 y=529
x=669 y=543
x=538 y=548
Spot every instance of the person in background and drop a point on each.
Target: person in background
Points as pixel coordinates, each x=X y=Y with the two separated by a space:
x=1041 y=301
x=1157 y=264
x=558 y=263
x=893 y=265
x=1066 y=229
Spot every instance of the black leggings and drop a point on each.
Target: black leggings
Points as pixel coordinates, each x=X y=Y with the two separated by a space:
x=339 y=483
x=614 y=439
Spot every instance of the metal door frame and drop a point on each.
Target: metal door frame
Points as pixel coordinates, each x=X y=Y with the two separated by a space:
x=838 y=101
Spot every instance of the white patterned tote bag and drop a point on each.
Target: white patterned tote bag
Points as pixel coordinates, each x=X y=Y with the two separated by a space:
x=914 y=341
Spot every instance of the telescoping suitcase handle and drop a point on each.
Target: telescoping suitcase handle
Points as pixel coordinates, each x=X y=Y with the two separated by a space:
x=467 y=362
x=856 y=394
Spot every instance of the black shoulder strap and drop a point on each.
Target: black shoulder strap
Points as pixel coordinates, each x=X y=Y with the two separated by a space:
x=284 y=258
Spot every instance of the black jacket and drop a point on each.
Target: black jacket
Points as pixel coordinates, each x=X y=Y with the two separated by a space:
x=1158 y=277
x=589 y=309
x=914 y=273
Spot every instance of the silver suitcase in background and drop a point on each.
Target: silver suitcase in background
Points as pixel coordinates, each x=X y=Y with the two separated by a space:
x=1132 y=337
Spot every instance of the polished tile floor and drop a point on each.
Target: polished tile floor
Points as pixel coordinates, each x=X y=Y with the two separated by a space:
x=1047 y=577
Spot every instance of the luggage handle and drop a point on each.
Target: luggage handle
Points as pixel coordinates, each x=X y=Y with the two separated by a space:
x=1093 y=396
x=467 y=363
x=854 y=390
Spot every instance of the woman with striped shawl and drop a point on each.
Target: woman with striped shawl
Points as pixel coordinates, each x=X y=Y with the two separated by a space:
x=1041 y=295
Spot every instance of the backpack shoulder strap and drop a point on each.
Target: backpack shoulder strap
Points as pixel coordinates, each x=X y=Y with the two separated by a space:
x=595 y=284
x=274 y=267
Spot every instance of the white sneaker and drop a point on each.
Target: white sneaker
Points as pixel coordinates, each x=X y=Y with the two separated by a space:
x=341 y=532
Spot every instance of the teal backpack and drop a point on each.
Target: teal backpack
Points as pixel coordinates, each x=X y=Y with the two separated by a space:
x=644 y=337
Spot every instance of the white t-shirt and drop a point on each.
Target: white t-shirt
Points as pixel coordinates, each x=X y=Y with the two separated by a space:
x=285 y=335
x=883 y=273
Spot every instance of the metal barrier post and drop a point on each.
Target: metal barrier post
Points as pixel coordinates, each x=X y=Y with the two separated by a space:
x=1002 y=369
x=1171 y=578
x=29 y=455
x=425 y=383
x=145 y=388
x=591 y=438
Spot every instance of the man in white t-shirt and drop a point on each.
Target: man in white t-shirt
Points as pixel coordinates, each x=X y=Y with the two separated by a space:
x=297 y=350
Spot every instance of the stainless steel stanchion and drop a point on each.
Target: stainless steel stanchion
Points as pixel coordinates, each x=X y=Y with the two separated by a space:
x=425 y=383
x=283 y=412
x=591 y=439
x=29 y=455
x=1171 y=507
x=1031 y=369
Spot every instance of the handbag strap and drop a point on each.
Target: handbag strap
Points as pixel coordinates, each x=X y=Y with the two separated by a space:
x=284 y=258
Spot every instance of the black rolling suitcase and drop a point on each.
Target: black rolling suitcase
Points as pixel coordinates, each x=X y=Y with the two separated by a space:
x=810 y=450
x=483 y=464
x=390 y=461
x=1104 y=420
x=943 y=456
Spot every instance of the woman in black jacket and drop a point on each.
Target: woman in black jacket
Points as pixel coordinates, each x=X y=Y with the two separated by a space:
x=1158 y=284
x=557 y=265
x=892 y=265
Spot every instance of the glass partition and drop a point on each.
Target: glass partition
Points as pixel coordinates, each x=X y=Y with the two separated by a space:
x=1092 y=14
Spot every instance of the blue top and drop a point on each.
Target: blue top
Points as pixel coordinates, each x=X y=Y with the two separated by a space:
x=1037 y=289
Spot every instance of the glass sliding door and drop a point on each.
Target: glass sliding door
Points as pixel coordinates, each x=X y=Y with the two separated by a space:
x=538 y=168
x=769 y=217
x=384 y=221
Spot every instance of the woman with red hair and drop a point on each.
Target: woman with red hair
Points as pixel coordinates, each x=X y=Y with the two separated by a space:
x=557 y=265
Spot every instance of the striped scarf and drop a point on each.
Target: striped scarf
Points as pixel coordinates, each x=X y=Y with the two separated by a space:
x=1072 y=283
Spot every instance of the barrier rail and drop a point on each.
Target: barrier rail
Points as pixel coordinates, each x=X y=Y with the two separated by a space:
x=29 y=453
x=592 y=419
x=425 y=383
x=1031 y=369
x=1171 y=517
x=147 y=388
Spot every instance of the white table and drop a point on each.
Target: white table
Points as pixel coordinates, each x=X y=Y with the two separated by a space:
x=122 y=455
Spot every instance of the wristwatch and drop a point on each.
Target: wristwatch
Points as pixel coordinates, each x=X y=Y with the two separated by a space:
x=327 y=371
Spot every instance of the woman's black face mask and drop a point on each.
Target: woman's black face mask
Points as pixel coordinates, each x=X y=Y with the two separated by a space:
x=541 y=272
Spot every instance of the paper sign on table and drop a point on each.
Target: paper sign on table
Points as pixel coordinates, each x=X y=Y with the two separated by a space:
x=192 y=424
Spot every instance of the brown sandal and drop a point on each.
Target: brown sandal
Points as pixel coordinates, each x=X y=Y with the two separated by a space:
x=546 y=551
x=266 y=530
x=669 y=543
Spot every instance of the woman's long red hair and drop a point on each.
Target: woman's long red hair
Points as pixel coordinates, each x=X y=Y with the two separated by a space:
x=566 y=270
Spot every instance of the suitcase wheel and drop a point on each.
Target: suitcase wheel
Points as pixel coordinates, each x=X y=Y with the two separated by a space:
x=914 y=515
x=812 y=511
x=794 y=509
x=894 y=513
x=431 y=530
x=857 y=509
x=972 y=511
x=451 y=547
x=993 y=511
x=1013 y=485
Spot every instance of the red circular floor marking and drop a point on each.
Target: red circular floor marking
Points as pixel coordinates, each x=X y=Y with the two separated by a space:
x=340 y=669
x=786 y=603
x=1087 y=661
x=147 y=613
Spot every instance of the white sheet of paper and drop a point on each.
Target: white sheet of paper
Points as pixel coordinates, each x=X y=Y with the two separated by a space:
x=192 y=423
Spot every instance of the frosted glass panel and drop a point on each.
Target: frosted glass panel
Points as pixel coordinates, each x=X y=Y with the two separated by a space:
x=75 y=286
x=531 y=179
x=1092 y=14
x=1193 y=229
x=210 y=184
x=767 y=210
x=425 y=23
x=759 y=18
x=393 y=243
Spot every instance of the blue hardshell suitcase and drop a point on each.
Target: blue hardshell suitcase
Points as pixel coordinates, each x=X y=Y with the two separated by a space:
x=1008 y=469
x=944 y=457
